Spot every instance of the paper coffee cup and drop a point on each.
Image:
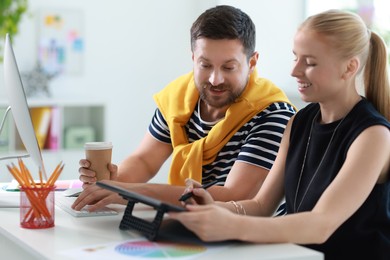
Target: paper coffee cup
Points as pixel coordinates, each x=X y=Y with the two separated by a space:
x=99 y=155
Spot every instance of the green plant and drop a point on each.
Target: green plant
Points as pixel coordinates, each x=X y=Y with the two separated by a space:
x=11 y=12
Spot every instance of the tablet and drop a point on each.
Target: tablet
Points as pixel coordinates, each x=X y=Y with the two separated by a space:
x=136 y=197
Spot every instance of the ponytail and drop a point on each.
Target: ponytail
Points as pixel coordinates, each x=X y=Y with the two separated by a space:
x=376 y=78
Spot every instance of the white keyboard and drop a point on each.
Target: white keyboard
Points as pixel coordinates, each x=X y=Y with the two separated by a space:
x=65 y=204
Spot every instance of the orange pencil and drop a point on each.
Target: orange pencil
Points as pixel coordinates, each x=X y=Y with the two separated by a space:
x=55 y=174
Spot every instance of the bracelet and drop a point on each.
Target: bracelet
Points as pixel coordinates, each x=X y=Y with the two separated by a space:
x=235 y=206
x=239 y=208
x=243 y=209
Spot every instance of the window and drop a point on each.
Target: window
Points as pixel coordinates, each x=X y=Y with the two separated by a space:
x=375 y=13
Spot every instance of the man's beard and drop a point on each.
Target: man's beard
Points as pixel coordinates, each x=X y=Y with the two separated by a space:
x=220 y=103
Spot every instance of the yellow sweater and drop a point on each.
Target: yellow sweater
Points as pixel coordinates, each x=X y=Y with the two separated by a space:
x=177 y=102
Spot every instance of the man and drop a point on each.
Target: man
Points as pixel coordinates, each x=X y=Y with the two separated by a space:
x=219 y=121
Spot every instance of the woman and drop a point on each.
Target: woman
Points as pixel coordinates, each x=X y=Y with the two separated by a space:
x=333 y=163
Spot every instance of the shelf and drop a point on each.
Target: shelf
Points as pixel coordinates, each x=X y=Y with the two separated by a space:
x=61 y=127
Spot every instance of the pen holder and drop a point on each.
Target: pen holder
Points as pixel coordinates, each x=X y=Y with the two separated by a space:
x=37 y=206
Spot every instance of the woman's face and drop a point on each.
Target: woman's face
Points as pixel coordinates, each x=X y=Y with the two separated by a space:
x=317 y=67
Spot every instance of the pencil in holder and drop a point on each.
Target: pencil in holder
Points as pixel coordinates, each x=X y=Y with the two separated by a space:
x=36 y=199
x=37 y=206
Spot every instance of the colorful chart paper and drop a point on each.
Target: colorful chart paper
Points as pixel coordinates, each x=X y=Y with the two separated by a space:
x=158 y=250
x=142 y=249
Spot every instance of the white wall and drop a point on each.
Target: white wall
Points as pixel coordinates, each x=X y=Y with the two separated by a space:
x=134 y=48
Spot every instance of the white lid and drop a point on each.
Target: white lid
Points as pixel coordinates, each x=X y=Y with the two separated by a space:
x=98 y=145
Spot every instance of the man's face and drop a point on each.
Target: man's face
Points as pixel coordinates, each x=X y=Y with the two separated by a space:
x=221 y=70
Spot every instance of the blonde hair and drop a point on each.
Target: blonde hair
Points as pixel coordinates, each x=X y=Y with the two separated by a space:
x=350 y=37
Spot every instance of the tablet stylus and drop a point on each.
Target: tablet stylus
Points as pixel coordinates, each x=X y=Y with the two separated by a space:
x=188 y=195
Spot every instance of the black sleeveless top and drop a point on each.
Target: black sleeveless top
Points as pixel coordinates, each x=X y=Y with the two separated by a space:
x=366 y=234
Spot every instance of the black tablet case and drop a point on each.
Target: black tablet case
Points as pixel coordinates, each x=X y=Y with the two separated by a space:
x=150 y=229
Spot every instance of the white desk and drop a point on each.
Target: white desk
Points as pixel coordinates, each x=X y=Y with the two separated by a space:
x=70 y=233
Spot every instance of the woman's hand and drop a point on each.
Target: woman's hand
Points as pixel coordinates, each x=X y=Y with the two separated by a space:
x=200 y=195
x=209 y=222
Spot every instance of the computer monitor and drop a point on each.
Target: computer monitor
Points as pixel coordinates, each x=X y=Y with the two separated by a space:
x=19 y=106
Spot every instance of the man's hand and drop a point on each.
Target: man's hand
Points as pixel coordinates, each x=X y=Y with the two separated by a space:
x=88 y=176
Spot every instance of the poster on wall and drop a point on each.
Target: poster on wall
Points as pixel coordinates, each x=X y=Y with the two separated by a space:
x=61 y=41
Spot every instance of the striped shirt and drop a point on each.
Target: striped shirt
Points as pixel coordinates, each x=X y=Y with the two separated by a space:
x=257 y=142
